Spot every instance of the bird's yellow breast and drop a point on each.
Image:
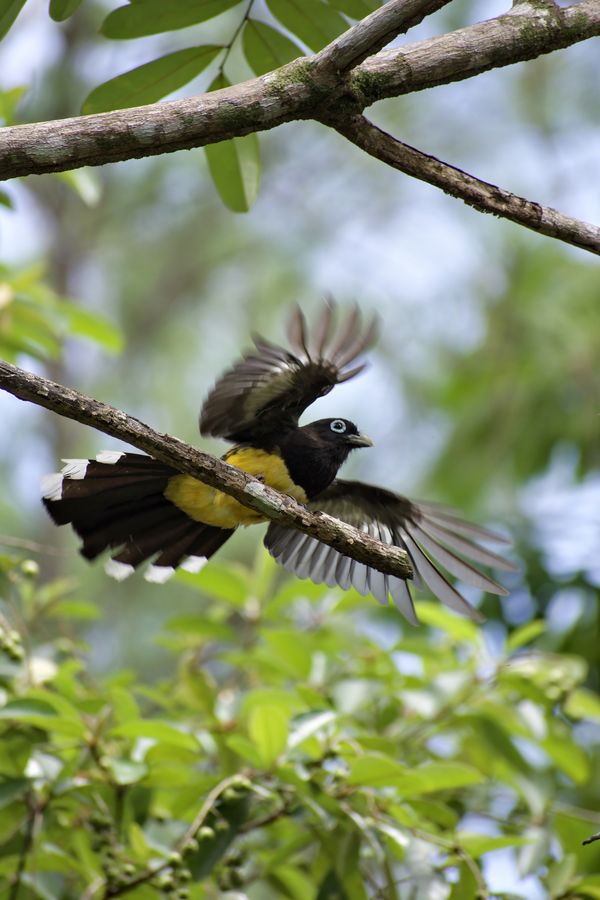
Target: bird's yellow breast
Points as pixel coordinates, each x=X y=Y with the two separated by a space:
x=207 y=504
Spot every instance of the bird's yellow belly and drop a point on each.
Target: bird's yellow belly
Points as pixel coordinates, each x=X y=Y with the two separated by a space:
x=207 y=504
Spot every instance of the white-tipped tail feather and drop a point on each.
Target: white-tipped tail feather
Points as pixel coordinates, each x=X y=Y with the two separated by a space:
x=110 y=457
x=118 y=570
x=158 y=574
x=75 y=469
x=52 y=486
x=193 y=564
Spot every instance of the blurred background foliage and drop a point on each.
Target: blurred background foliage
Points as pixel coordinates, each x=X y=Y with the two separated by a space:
x=445 y=762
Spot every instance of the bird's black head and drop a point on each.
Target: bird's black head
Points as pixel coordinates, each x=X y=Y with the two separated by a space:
x=338 y=434
x=315 y=452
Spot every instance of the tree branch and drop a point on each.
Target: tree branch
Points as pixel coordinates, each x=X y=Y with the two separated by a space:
x=247 y=490
x=479 y=194
x=524 y=33
x=374 y=32
x=296 y=91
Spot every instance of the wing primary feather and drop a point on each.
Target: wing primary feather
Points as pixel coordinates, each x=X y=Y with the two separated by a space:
x=347 y=334
x=346 y=376
x=439 y=585
x=293 y=553
x=467 y=548
x=343 y=572
x=402 y=598
x=378 y=585
x=318 y=562
x=296 y=332
x=322 y=331
x=456 y=566
x=330 y=568
x=357 y=346
x=447 y=520
x=305 y=567
x=400 y=542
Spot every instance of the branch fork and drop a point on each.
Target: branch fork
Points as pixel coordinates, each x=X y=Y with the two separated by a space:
x=334 y=86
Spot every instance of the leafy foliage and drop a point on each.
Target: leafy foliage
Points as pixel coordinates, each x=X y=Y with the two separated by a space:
x=538 y=359
x=33 y=320
x=233 y=165
x=289 y=754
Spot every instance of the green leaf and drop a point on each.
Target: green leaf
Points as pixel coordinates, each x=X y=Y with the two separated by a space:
x=84 y=182
x=525 y=634
x=588 y=887
x=244 y=747
x=63 y=9
x=82 y=323
x=478 y=844
x=55 y=715
x=8 y=102
x=268 y=730
x=375 y=770
x=6 y=200
x=151 y=81
x=235 y=170
x=568 y=756
x=308 y=725
x=314 y=23
x=561 y=874
x=23 y=709
x=265 y=48
x=224 y=582
x=290 y=651
x=9 y=10
x=583 y=704
x=11 y=789
x=457 y=628
x=74 y=609
x=155 y=16
x=126 y=771
x=161 y=732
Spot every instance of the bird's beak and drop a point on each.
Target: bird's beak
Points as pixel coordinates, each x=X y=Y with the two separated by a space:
x=359 y=440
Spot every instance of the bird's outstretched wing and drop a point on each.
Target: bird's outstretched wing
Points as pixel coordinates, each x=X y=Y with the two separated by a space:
x=433 y=536
x=268 y=390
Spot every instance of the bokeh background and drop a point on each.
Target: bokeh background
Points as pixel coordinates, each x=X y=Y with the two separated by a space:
x=483 y=391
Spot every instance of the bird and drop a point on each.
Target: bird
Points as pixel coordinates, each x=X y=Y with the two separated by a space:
x=144 y=511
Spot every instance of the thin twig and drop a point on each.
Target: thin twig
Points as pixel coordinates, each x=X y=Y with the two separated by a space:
x=592 y=839
x=481 y=195
x=211 y=798
x=22 y=544
x=267 y=819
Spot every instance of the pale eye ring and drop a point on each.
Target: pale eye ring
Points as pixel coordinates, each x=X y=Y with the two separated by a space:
x=338 y=425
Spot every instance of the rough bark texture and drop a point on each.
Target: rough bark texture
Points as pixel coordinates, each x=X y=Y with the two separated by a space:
x=209 y=469
x=476 y=193
x=333 y=86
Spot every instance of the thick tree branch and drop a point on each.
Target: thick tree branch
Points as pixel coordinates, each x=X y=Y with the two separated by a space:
x=295 y=91
x=521 y=34
x=321 y=87
x=209 y=469
x=374 y=32
x=479 y=194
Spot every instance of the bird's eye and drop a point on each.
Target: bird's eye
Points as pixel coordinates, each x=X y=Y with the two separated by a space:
x=338 y=425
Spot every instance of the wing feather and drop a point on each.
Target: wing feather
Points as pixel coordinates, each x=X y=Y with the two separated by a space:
x=267 y=391
x=432 y=536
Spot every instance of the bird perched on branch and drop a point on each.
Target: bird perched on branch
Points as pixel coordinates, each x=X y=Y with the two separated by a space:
x=141 y=509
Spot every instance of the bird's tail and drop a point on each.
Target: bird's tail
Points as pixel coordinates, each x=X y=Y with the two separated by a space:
x=117 y=502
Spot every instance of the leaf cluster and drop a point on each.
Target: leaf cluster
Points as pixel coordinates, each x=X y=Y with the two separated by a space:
x=300 y=748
